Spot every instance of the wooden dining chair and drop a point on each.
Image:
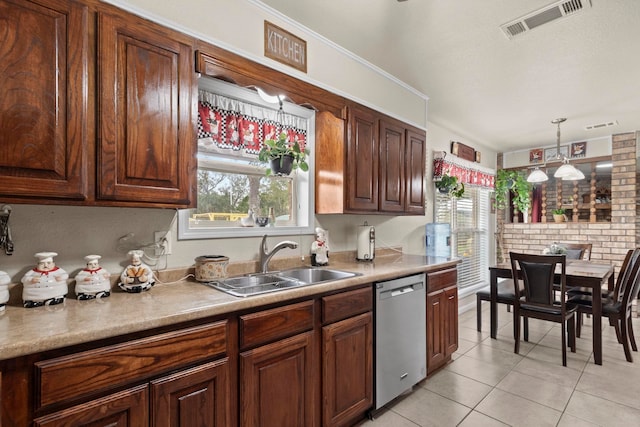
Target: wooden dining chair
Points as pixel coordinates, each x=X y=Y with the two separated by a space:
x=505 y=295
x=581 y=251
x=578 y=250
x=537 y=272
x=616 y=306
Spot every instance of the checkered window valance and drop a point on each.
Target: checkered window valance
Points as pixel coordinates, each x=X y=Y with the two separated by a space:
x=467 y=172
x=233 y=127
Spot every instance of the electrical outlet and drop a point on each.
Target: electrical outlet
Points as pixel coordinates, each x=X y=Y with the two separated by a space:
x=163 y=242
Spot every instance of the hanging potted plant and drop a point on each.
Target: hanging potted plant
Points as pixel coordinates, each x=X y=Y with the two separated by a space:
x=282 y=156
x=449 y=185
x=511 y=180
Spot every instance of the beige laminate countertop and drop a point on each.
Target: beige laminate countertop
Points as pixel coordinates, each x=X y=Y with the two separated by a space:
x=26 y=331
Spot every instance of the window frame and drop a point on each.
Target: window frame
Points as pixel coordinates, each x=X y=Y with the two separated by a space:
x=446 y=210
x=304 y=183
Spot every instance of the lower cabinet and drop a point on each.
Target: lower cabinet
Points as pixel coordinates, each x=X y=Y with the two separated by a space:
x=347 y=369
x=442 y=318
x=178 y=378
x=124 y=409
x=277 y=373
x=347 y=356
x=194 y=397
x=285 y=375
x=277 y=383
x=308 y=364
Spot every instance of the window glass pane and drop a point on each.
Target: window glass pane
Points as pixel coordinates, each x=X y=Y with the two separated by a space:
x=231 y=181
x=224 y=199
x=469 y=219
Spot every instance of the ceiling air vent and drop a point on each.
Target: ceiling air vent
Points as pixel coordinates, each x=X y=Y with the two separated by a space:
x=601 y=125
x=557 y=10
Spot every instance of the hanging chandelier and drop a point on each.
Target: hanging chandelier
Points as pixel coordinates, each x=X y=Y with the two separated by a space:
x=567 y=172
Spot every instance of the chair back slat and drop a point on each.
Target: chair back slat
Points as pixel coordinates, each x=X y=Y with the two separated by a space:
x=626 y=272
x=632 y=284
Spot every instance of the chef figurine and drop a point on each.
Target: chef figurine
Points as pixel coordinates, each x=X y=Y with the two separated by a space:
x=93 y=281
x=4 y=289
x=45 y=284
x=137 y=277
x=320 y=248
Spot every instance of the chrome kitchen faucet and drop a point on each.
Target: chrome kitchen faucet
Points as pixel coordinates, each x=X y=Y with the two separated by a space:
x=265 y=255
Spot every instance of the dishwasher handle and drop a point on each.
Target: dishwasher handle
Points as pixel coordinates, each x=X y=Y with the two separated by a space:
x=404 y=290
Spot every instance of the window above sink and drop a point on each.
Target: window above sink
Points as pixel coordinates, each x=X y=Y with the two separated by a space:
x=231 y=180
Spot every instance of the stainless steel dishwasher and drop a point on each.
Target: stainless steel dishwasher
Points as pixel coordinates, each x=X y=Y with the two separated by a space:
x=400 y=336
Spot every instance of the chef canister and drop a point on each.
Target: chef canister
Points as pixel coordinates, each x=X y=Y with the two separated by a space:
x=211 y=267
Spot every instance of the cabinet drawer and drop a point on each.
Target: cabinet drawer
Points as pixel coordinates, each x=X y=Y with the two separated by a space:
x=91 y=371
x=441 y=279
x=270 y=325
x=346 y=304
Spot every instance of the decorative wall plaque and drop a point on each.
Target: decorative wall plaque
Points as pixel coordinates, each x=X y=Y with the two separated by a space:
x=535 y=155
x=282 y=46
x=579 y=149
x=463 y=151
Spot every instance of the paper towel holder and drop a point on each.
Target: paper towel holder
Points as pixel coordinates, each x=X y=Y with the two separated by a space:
x=366 y=242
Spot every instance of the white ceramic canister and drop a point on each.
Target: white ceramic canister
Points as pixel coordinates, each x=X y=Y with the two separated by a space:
x=211 y=267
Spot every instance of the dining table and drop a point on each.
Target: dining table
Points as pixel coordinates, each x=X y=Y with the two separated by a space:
x=578 y=273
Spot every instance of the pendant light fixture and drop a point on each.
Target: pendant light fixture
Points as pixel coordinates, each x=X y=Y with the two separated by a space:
x=537 y=175
x=567 y=172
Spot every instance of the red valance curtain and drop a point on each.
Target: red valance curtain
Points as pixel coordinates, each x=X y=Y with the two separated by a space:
x=230 y=126
x=467 y=172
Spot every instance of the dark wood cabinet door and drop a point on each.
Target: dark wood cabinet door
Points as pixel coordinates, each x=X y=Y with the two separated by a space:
x=362 y=161
x=415 y=155
x=194 y=397
x=128 y=408
x=451 y=320
x=442 y=317
x=392 y=167
x=146 y=81
x=44 y=122
x=277 y=384
x=435 y=340
x=330 y=172
x=347 y=384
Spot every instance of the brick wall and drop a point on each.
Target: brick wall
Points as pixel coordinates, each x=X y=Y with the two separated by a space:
x=610 y=240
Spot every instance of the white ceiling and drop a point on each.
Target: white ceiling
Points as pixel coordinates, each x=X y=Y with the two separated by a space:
x=485 y=87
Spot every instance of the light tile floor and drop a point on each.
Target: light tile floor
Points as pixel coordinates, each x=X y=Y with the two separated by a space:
x=487 y=384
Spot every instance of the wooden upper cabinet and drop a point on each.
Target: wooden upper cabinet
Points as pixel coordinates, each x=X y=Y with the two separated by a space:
x=44 y=48
x=362 y=160
x=330 y=158
x=392 y=167
x=147 y=87
x=376 y=166
x=415 y=155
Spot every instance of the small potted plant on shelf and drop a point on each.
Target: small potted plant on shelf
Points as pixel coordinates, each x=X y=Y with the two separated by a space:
x=448 y=184
x=283 y=157
x=558 y=215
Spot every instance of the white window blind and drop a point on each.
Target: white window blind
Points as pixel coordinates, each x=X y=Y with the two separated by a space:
x=469 y=219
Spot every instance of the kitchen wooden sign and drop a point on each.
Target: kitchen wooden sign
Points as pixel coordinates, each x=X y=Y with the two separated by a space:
x=284 y=47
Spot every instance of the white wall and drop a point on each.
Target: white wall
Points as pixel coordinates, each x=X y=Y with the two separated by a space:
x=236 y=25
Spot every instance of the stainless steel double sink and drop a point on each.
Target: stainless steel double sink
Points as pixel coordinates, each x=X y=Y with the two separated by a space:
x=261 y=283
